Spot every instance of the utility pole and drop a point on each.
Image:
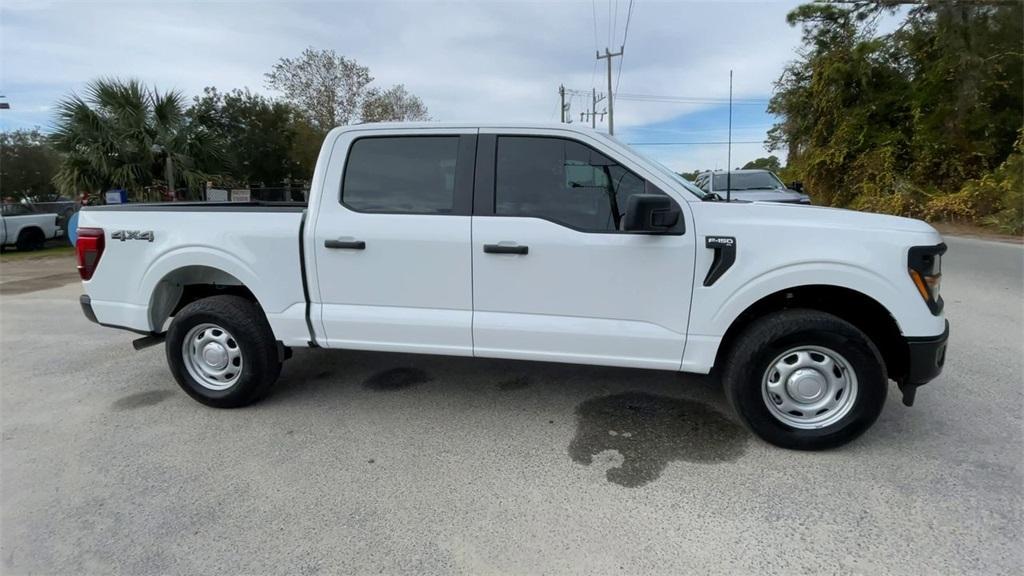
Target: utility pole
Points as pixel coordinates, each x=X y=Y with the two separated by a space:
x=611 y=97
x=593 y=107
x=561 y=105
x=593 y=114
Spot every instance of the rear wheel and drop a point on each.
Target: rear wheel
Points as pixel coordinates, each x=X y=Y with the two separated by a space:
x=806 y=380
x=30 y=239
x=222 y=352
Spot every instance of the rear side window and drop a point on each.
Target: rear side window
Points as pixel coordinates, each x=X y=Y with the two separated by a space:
x=401 y=175
x=563 y=181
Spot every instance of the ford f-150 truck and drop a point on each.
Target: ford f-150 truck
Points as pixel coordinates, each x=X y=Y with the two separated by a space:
x=536 y=243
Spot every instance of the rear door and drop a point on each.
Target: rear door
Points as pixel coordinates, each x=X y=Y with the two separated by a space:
x=554 y=277
x=392 y=239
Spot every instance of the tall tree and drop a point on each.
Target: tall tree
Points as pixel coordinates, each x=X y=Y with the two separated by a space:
x=325 y=85
x=27 y=165
x=331 y=90
x=395 y=104
x=898 y=121
x=122 y=134
x=257 y=133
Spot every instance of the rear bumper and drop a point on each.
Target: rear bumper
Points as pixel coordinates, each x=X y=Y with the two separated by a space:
x=925 y=360
x=86 y=304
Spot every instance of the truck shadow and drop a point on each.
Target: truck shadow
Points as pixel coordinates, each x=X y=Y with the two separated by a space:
x=629 y=423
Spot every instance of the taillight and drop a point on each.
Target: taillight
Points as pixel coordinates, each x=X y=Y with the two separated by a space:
x=89 y=247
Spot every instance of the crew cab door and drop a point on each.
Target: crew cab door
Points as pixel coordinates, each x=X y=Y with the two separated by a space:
x=391 y=242
x=554 y=277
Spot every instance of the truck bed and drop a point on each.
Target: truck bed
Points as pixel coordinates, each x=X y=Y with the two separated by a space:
x=164 y=248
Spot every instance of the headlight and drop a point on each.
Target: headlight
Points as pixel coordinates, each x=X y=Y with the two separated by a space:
x=924 y=264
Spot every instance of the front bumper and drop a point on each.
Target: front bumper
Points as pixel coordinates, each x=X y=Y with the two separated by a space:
x=925 y=359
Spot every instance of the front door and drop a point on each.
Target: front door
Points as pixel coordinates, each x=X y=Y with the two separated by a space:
x=554 y=278
x=392 y=243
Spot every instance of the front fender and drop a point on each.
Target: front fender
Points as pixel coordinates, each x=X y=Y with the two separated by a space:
x=868 y=282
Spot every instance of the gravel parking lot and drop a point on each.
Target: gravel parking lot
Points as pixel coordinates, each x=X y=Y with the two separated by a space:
x=364 y=462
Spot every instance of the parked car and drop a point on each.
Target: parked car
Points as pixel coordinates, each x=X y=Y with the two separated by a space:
x=750 y=186
x=534 y=243
x=25 y=229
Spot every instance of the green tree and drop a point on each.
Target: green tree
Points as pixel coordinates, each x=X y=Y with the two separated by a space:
x=27 y=165
x=122 y=134
x=258 y=134
x=769 y=163
x=899 y=122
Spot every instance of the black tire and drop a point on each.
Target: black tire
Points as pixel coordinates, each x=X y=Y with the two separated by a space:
x=30 y=239
x=766 y=339
x=246 y=323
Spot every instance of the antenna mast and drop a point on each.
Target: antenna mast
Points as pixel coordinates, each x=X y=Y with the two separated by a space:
x=728 y=154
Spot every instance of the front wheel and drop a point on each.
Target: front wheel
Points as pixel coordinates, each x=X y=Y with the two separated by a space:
x=222 y=351
x=805 y=380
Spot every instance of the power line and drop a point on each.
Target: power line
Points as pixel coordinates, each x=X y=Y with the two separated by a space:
x=671 y=96
x=691 y=99
x=625 y=35
x=615 y=22
x=609 y=22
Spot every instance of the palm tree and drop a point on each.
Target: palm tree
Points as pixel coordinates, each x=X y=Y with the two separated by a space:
x=123 y=135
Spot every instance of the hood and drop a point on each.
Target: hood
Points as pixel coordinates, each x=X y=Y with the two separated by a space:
x=768 y=195
x=827 y=217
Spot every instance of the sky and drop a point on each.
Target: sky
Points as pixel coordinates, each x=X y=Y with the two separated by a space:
x=468 y=61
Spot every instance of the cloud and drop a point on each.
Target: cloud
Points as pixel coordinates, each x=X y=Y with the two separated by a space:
x=468 y=61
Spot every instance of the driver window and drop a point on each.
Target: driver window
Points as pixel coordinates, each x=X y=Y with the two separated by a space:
x=563 y=181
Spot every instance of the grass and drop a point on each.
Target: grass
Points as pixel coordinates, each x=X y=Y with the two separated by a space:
x=48 y=252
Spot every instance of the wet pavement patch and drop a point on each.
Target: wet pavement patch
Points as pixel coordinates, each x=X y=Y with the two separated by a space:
x=517 y=383
x=396 y=379
x=141 y=399
x=650 y=431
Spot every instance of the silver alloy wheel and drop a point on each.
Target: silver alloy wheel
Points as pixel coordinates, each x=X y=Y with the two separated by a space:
x=212 y=356
x=809 y=387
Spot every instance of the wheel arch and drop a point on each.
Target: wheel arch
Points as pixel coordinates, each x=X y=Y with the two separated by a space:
x=853 y=306
x=28 y=229
x=186 y=284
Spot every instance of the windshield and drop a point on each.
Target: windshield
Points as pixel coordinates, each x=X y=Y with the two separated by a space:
x=689 y=186
x=749 y=181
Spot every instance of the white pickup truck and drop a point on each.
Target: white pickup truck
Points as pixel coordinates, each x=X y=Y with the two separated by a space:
x=536 y=243
x=24 y=229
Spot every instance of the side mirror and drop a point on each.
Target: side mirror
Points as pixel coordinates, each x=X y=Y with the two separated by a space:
x=796 y=185
x=653 y=213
